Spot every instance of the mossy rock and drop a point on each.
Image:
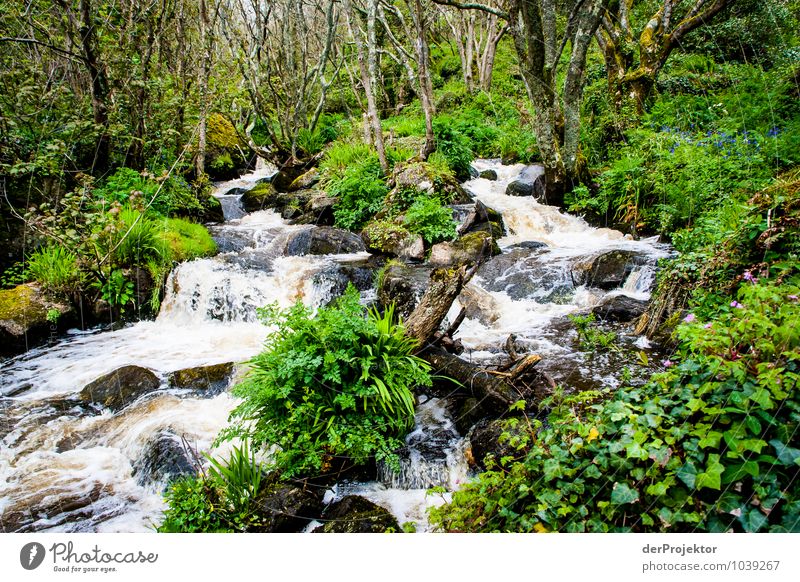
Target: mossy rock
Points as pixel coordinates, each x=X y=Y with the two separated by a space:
x=427 y=179
x=24 y=322
x=468 y=250
x=224 y=149
x=119 y=388
x=212 y=378
x=388 y=238
x=355 y=514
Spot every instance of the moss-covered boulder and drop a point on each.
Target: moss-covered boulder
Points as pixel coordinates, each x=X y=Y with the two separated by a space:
x=397 y=285
x=468 y=250
x=225 y=149
x=483 y=218
x=355 y=514
x=28 y=317
x=285 y=508
x=388 y=238
x=210 y=379
x=427 y=179
x=305 y=180
x=607 y=270
x=119 y=388
x=323 y=240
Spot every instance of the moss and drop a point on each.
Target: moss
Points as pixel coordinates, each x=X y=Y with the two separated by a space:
x=384 y=236
x=224 y=148
x=22 y=306
x=187 y=240
x=220 y=133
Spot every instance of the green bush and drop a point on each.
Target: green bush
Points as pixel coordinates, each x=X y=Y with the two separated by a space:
x=163 y=196
x=338 y=384
x=454 y=146
x=136 y=239
x=711 y=444
x=429 y=218
x=55 y=269
x=192 y=503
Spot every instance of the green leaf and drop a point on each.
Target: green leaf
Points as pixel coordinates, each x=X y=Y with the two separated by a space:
x=786 y=454
x=711 y=477
x=623 y=494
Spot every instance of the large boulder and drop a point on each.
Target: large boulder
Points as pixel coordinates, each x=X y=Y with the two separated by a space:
x=483 y=218
x=388 y=238
x=210 y=379
x=355 y=514
x=163 y=460
x=397 y=285
x=488 y=175
x=283 y=179
x=620 y=308
x=467 y=250
x=323 y=240
x=286 y=508
x=29 y=317
x=479 y=305
x=608 y=270
x=318 y=210
x=530 y=182
x=119 y=388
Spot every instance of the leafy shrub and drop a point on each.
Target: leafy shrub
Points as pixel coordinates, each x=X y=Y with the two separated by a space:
x=310 y=142
x=341 y=155
x=454 y=147
x=429 y=218
x=117 y=290
x=361 y=191
x=55 y=269
x=335 y=384
x=221 y=501
x=136 y=239
x=168 y=193
x=710 y=444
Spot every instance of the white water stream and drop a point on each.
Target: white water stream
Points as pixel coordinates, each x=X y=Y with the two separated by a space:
x=67 y=467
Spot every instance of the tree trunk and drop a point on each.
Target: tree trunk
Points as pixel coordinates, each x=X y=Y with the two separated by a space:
x=425 y=83
x=100 y=90
x=202 y=84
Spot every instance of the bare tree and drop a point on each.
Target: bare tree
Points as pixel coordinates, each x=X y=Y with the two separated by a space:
x=633 y=63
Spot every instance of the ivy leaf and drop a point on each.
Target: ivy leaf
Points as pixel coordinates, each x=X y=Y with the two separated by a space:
x=623 y=494
x=753 y=520
x=711 y=478
x=786 y=454
x=688 y=474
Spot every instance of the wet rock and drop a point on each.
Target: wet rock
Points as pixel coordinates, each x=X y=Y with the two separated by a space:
x=394 y=240
x=323 y=240
x=282 y=180
x=163 y=460
x=355 y=514
x=484 y=219
x=522 y=273
x=606 y=271
x=286 y=508
x=531 y=245
x=396 y=285
x=479 y=305
x=224 y=149
x=261 y=197
x=28 y=317
x=469 y=249
x=52 y=506
x=318 y=210
x=213 y=379
x=305 y=181
x=620 y=308
x=485 y=440
x=119 y=388
x=529 y=183
x=488 y=175
x=468 y=415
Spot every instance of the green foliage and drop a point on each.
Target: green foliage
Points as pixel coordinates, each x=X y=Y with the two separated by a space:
x=136 y=239
x=341 y=155
x=55 y=269
x=454 y=146
x=427 y=217
x=186 y=240
x=165 y=195
x=710 y=444
x=337 y=384
x=590 y=336
x=360 y=190
x=117 y=290
x=221 y=501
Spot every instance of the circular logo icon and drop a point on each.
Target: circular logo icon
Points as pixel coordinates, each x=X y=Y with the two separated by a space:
x=31 y=555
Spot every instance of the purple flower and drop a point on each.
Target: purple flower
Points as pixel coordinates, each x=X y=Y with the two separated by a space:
x=689 y=318
x=667 y=363
x=792 y=297
x=748 y=276
x=708 y=325
x=736 y=305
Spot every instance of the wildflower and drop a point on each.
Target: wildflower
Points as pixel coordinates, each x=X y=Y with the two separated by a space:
x=792 y=297
x=708 y=325
x=748 y=276
x=689 y=318
x=667 y=363
x=736 y=305
x=773 y=131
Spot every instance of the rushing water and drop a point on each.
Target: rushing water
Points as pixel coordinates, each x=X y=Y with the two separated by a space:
x=67 y=466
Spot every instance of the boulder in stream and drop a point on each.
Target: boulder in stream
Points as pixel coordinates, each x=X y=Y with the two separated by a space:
x=608 y=270
x=488 y=174
x=211 y=379
x=469 y=249
x=323 y=240
x=387 y=238
x=620 y=308
x=305 y=180
x=119 y=388
x=286 y=508
x=355 y=514
x=530 y=182
x=163 y=459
